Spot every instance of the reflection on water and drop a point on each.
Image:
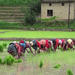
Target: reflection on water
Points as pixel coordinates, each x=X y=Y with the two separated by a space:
x=20 y=67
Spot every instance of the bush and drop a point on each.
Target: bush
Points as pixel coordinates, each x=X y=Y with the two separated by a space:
x=29 y=18
x=41 y=64
x=69 y=72
x=1 y=48
x=57 y=66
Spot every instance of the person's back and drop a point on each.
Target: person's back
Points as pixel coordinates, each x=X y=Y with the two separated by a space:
x=15 y=49
x=12 y=49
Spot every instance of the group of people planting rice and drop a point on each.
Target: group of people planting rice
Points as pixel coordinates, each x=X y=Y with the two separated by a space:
x=17 y=49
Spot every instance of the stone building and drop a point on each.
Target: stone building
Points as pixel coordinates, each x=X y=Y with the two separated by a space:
x=59 y=8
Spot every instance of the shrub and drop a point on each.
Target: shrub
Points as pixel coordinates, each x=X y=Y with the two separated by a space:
x=57 y=66
x=69 y=72
x=41 y=64
x=29 y=18
x=1 y=48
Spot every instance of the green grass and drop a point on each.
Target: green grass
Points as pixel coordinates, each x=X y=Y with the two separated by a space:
x=35 y=34
x=6 y=25
x=14 y=2
x=38 y=26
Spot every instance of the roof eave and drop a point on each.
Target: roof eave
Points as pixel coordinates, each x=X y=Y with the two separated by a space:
x=56 y=2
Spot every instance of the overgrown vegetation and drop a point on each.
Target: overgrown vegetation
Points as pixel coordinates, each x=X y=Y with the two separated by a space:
x=33 y=8
x=30 y=17
x=38 y=25
x=15 y=2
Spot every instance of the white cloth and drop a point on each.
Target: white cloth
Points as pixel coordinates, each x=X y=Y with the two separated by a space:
x=69 y=41
x=60 y=42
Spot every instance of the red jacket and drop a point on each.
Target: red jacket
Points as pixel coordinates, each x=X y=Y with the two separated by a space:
x=47 y=44
x=57 y=43
x=19 y=48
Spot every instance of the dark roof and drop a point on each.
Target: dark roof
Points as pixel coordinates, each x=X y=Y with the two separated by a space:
x=47 y=1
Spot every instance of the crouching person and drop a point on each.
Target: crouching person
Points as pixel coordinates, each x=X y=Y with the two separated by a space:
x=70 y=43
x=34 y=44
x=26 y=45
x=17 y=49
x=45 y=45
x=55 y=43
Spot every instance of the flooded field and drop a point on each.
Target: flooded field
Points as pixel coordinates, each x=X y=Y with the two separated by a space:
x=30 y=64
x=31 y=67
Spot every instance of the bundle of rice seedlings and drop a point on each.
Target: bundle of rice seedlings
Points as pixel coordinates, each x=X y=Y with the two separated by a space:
x=1 y=48
x=57 y=66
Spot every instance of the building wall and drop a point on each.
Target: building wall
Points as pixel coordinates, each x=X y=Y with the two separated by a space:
x=58 y=10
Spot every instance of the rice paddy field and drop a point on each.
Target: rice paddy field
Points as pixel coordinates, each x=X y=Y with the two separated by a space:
x=47 y=63
x=35 y=34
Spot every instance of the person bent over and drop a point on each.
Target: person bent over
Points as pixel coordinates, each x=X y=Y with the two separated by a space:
x=17 y=49
x=55 y=43
x=70 y=43
x=35 y=44
x=45 y=45
x=25 y=45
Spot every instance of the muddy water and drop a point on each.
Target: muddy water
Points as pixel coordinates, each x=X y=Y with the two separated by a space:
x=25 y=68
x=31 y=68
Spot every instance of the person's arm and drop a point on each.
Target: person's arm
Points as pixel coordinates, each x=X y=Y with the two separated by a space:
x=19 y=51
x=27 y=50
x=31 y=50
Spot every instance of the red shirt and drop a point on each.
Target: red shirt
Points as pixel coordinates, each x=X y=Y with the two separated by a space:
x=62 y=40
x=19 y=48
x=47 y=44
x=39 y=45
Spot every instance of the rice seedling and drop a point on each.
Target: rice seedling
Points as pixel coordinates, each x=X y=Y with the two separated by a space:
x=69 y=72
x=41 y=64
x=1 y=48
x=57 y=66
